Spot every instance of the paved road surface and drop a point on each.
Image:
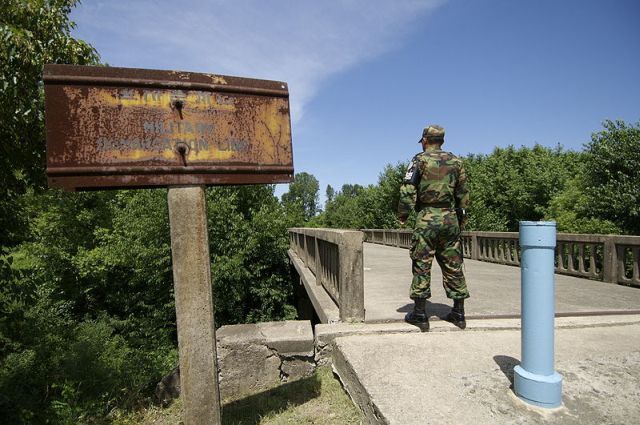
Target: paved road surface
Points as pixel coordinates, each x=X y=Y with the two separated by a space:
x=464 y=377
x=494 y=288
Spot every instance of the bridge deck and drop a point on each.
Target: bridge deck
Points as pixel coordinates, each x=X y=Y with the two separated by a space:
x=494 y=288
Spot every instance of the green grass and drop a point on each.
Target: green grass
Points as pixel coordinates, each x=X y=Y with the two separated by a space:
x=318 y=399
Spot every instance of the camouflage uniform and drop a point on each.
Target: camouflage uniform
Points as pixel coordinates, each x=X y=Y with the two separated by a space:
x=435 y=192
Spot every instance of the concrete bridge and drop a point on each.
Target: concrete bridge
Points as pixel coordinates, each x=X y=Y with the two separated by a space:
x=357 y=284
x=354 y=276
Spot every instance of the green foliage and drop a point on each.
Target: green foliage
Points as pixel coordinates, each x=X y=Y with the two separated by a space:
x=612 y=175
x=330 y=193
x=65 y=371
x=358 y=207
x=569 y=209
x=90 y=321
x=32 y=33
x=250 y=269
x=86 y=334
x=344 y=210
x=303 y=195
x=604 y=196
x=511 y=185
x=595 y=191
x=506 y=186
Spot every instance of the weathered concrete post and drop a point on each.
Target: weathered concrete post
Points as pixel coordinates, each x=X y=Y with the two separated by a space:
x=610 y=261
x=351 y=279
x=475 y=249
x=535 y=380
x=194 y=305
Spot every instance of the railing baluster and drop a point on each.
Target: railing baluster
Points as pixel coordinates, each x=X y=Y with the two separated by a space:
x=560 y=249
x=493 y=249
x=581 y=258
x=593 y=270
x=622 y=277
x=636 y=265
x=570 y=258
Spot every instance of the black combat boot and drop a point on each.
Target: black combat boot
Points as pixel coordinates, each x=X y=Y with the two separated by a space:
x=456 y=316
x=418 y=316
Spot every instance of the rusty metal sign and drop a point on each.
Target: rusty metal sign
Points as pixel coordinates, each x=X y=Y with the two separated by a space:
x=122 y=128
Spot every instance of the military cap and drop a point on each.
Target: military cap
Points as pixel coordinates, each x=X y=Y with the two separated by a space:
x=433 y=132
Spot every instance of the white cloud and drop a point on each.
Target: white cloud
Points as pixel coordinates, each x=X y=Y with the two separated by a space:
x=300 y=42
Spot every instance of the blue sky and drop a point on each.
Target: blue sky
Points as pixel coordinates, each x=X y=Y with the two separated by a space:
x=365 y=76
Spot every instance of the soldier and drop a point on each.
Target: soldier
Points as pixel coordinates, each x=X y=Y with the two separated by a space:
x=435 y=186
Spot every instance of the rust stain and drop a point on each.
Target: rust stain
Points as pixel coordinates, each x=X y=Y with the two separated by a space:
x=101 y=130
x=217 y=79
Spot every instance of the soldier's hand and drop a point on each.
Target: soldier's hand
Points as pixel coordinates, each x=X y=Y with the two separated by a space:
x=402 y=221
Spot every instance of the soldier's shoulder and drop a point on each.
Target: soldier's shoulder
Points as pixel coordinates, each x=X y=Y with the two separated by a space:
x=452 y=157
x=418 y=157
x=440 y=155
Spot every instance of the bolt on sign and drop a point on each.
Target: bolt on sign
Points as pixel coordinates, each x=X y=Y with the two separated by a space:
x=126 y=128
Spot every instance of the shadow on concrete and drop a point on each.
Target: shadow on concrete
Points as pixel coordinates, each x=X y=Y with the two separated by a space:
x=433 y=309
x=506 y=365
x=251 y=410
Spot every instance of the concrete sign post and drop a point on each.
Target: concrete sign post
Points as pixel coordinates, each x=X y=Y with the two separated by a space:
x=535 y=379
x=113 y=128
x=194 y=305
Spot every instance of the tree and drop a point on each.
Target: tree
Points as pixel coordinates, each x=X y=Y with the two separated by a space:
x=96 y=290
x=388 y=195
x=511 y=185
x=351 y=190
x=303 y=195
x=374 y=206
x=347 y=211
x=330 y=193
x=570 y=210
x=33 y=32
x=612 y=175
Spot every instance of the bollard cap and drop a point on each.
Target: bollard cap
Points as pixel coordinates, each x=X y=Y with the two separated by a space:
x=538 y=223
x=540 y=234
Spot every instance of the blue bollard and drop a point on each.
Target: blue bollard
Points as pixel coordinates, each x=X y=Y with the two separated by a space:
x=535 y=379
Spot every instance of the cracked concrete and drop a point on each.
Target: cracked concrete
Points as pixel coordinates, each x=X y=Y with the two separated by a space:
x=256 y=357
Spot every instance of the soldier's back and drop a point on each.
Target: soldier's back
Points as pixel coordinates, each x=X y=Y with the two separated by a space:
x=439 y=173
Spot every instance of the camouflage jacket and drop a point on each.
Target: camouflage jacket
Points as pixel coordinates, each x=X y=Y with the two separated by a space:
x=434 y=178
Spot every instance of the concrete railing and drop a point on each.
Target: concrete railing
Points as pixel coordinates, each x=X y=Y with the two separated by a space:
x=609 y=258
x=335 y=259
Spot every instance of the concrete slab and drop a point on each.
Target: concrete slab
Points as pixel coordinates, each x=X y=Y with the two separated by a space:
x=494 y=288
x=465 y=377
x=289 y=338
x=259 y=356
x=325 y=335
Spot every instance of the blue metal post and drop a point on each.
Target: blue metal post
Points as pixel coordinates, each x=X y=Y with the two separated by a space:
x=535 y=379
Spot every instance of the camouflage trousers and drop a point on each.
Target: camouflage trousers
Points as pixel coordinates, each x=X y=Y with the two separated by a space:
x=437 y=234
